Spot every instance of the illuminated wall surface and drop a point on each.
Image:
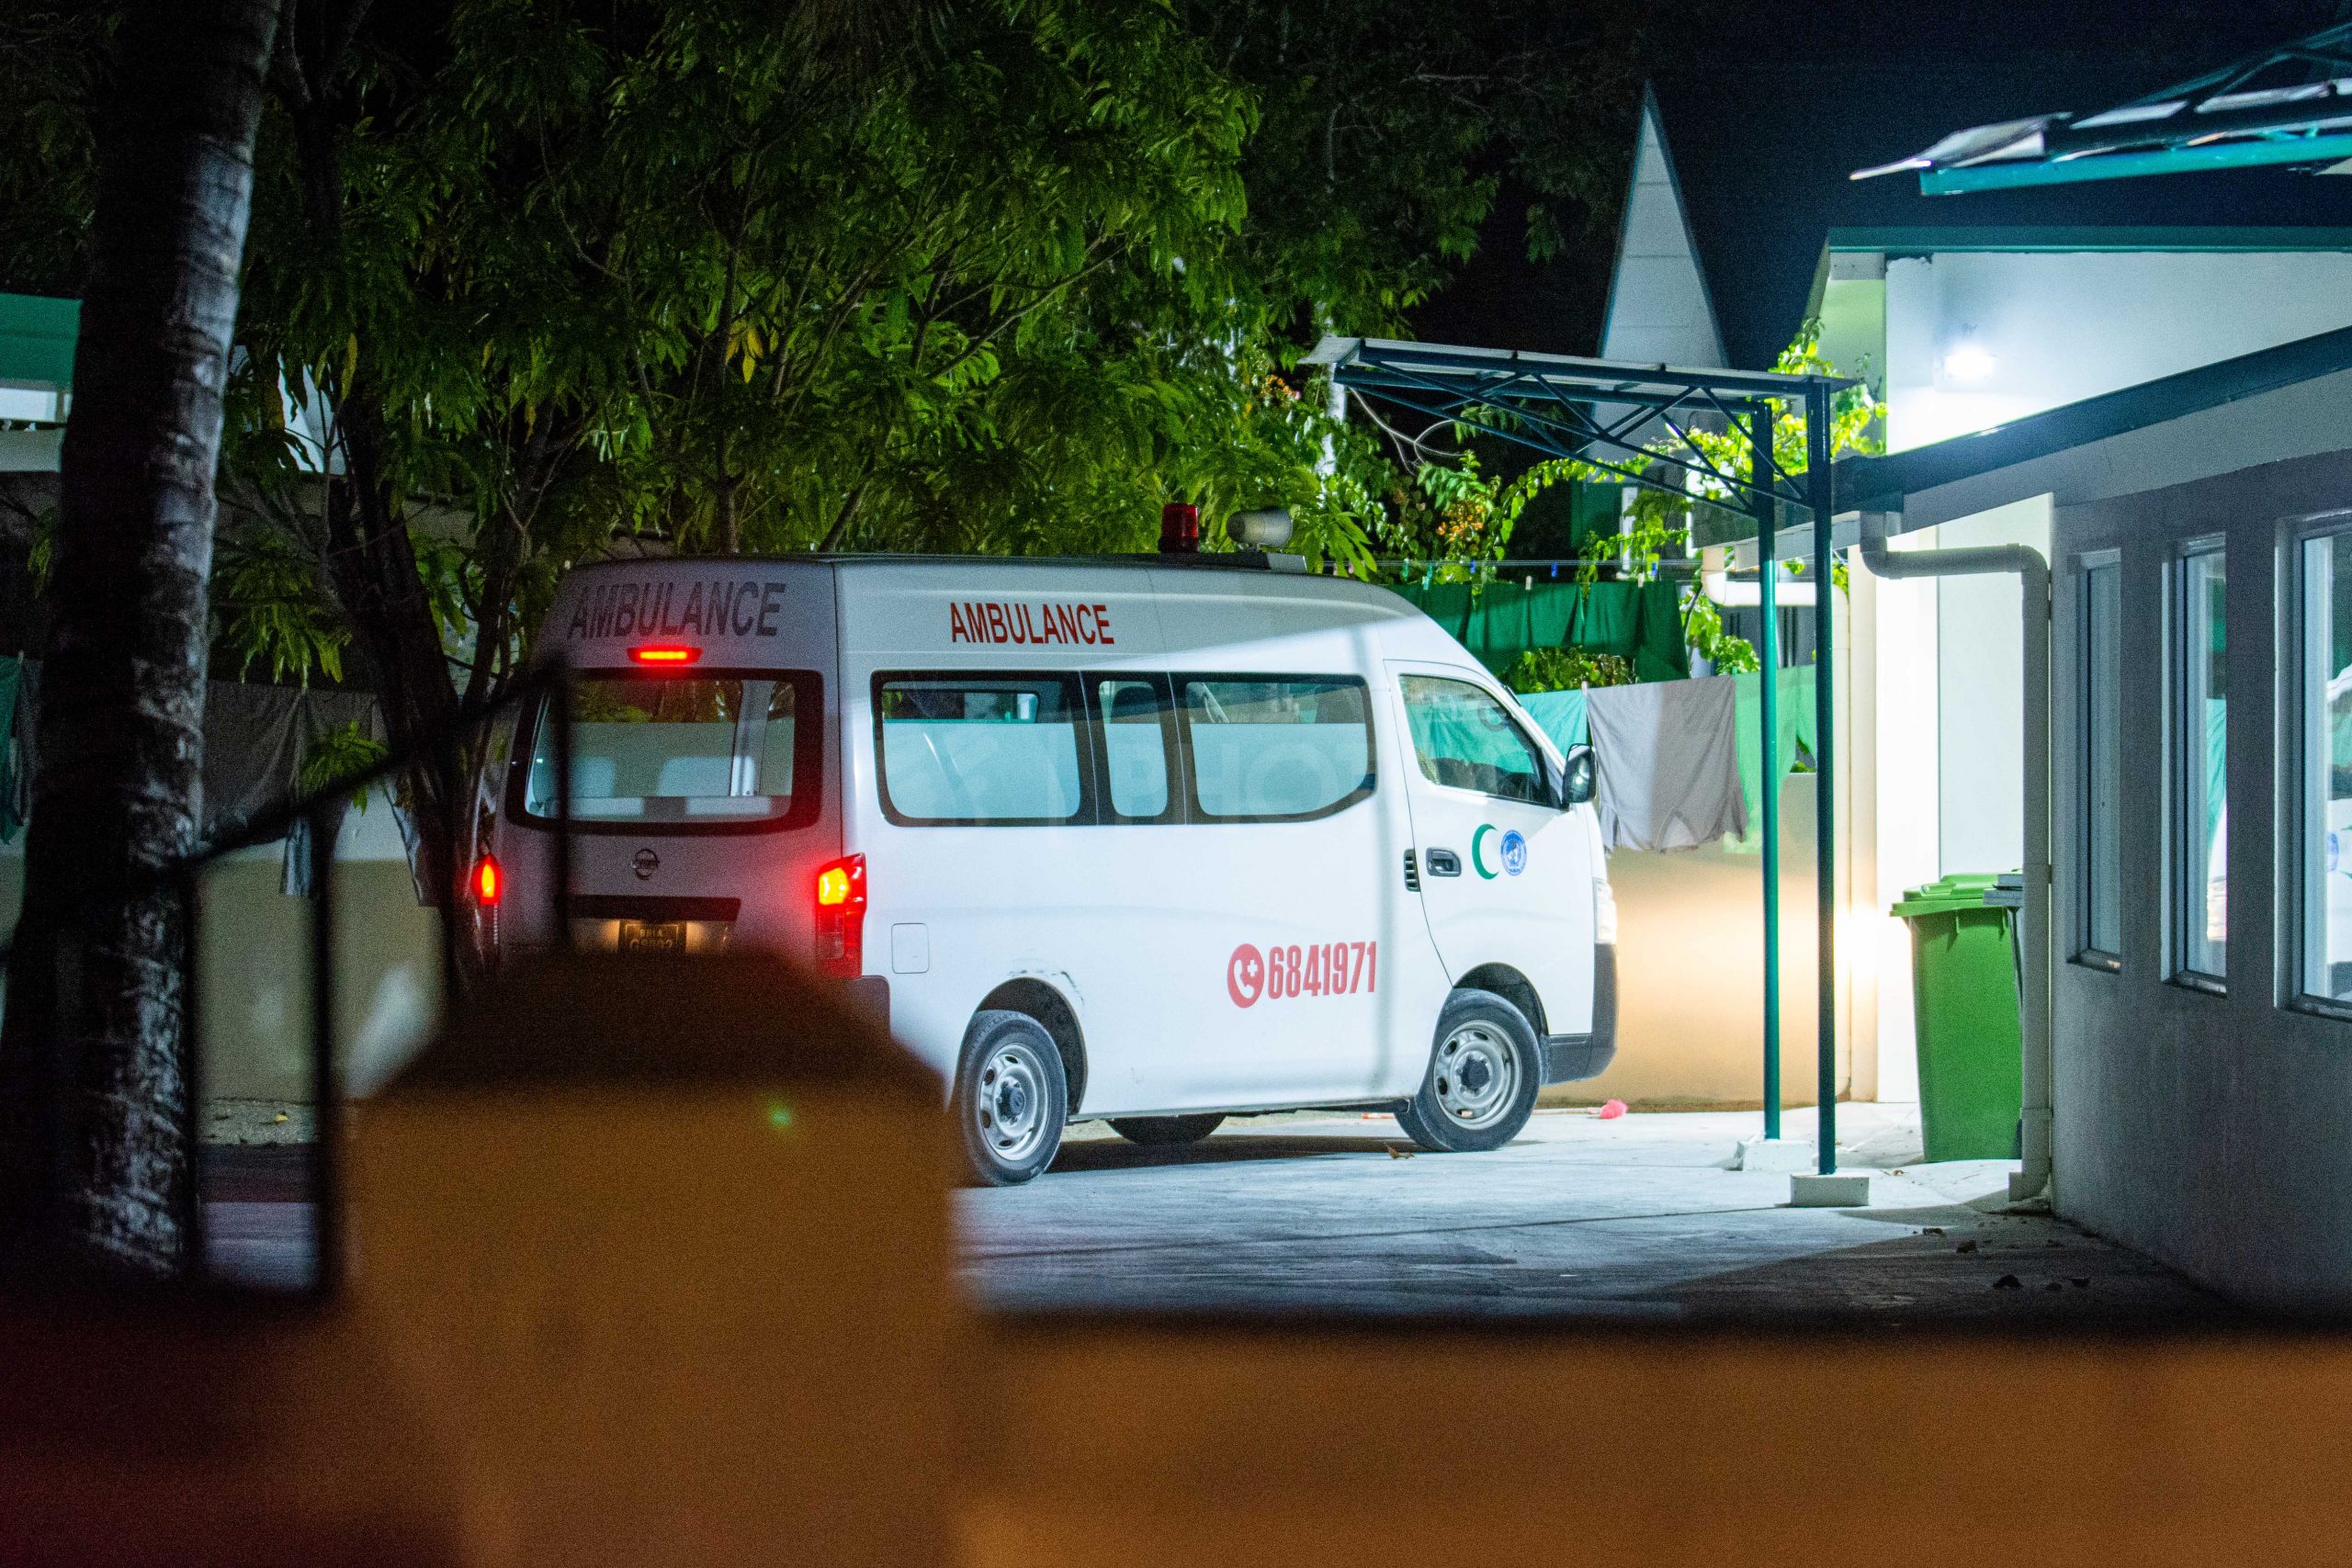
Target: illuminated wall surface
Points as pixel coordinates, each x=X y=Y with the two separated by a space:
x=1976 y=339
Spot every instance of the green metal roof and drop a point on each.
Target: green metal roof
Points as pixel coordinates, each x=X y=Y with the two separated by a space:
x=1926 y=240
x=37 y=337
x=2286 y=106
x=1873 y=484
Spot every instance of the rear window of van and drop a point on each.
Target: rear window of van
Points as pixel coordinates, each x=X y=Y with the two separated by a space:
x=677 y=749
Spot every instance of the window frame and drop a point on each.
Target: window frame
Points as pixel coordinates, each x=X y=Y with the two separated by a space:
x=2086 y=952
x=1366 y=789
x=1081 y=730
x=1171 y=735
x=2185 y=749
x=809 y=728
x=2303 y=921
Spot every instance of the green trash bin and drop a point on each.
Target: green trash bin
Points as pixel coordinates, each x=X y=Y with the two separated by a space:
x=1964 y=1008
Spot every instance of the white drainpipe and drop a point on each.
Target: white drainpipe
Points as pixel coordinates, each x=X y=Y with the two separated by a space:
x=2033 y=918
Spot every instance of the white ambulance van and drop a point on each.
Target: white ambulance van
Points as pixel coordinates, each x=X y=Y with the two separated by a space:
x=1155 y=841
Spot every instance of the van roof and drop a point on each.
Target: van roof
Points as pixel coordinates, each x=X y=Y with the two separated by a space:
x=1209 y=560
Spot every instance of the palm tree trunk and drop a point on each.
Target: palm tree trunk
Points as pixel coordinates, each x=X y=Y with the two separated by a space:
x=94 y=1160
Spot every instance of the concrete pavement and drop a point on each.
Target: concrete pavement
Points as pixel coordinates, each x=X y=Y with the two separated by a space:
x=1637 y=1218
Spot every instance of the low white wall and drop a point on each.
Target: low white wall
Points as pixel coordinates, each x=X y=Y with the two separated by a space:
x=1690 y=975
x=255 y=963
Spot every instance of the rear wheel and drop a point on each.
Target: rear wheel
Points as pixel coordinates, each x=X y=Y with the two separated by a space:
x=1011 y=1099
x=1485 y=1070
x=1164 y=1132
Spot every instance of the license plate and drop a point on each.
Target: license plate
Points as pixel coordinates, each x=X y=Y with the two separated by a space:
x=653 y=936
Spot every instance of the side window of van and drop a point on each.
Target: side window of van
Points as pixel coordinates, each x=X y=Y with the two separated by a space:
x=1139 y=743
x=1463 y=739
x=1276 y=748
x=980 y=748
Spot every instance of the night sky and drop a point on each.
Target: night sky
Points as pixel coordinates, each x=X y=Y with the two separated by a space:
x=1769 y=106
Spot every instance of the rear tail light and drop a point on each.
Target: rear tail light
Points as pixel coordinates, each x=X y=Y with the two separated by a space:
x=841 y=916
x=487 y=882
x=665 y=654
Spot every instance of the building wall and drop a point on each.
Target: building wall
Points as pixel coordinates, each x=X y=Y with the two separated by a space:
x=2206 y=1130
x=1942 y=721
x=1980 y=670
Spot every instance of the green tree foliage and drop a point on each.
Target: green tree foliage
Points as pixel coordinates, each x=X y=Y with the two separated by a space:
x=532 y=282
x=1566 y=670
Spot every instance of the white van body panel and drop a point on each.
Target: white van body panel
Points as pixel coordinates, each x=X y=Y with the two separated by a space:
x=1209 y=965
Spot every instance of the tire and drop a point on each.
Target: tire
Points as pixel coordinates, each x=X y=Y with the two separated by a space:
x=1010 y=1099
x=1165 y=1132
x=1486 y=1068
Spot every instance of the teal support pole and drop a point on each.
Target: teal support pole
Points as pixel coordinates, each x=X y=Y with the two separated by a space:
x=1768 y=684
x=1821 y=498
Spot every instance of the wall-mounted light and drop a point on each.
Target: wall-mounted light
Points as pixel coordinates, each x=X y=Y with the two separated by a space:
x=1968 y=360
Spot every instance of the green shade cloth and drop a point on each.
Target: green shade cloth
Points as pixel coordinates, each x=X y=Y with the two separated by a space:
x=1559 y=714
x=1797 y=727
x=37 y=337
x=1500 y=620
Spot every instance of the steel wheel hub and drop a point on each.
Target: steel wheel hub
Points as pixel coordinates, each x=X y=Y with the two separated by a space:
x=1012 y=1102
x=1475 y=1075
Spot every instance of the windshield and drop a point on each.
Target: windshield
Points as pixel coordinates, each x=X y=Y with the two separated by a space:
x=652 y=748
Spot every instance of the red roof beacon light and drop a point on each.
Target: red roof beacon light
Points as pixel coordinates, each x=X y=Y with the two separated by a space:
x=841 y=916
x=665 y=655
x=488 y=881
x=1180 y=529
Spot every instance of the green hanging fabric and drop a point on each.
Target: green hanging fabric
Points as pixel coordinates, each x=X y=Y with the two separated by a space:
x=1798 y=726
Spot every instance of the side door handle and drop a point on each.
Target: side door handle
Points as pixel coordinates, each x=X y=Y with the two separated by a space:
x=1444 y=863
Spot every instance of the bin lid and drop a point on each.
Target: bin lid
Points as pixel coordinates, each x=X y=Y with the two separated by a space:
x=1962 y=890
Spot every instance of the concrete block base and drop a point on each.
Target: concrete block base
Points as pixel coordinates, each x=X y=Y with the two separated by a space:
x=1772 y=1154
x=1844 y=1190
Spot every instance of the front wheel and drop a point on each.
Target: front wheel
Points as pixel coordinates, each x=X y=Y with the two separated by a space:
x=1485 y=1070
x=1165 y=1132
x=1010 y=1099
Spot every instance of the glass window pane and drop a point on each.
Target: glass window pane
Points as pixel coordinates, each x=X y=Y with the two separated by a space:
x=1291 y=748
x=980 y=748
x=2102 y=759
x=671 y=748
x=2201 y=731
x=2327 y=689
x=1135 y=746
x=1466 y=739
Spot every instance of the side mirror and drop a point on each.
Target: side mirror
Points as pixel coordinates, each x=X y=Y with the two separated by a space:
x=1578 y=778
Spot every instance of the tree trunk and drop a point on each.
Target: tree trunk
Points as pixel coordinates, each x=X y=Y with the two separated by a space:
x=371 y=560
x=95 y=1167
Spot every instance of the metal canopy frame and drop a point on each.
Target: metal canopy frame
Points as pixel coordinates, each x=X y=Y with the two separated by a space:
x=1593 y=411
x=2227 y=118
